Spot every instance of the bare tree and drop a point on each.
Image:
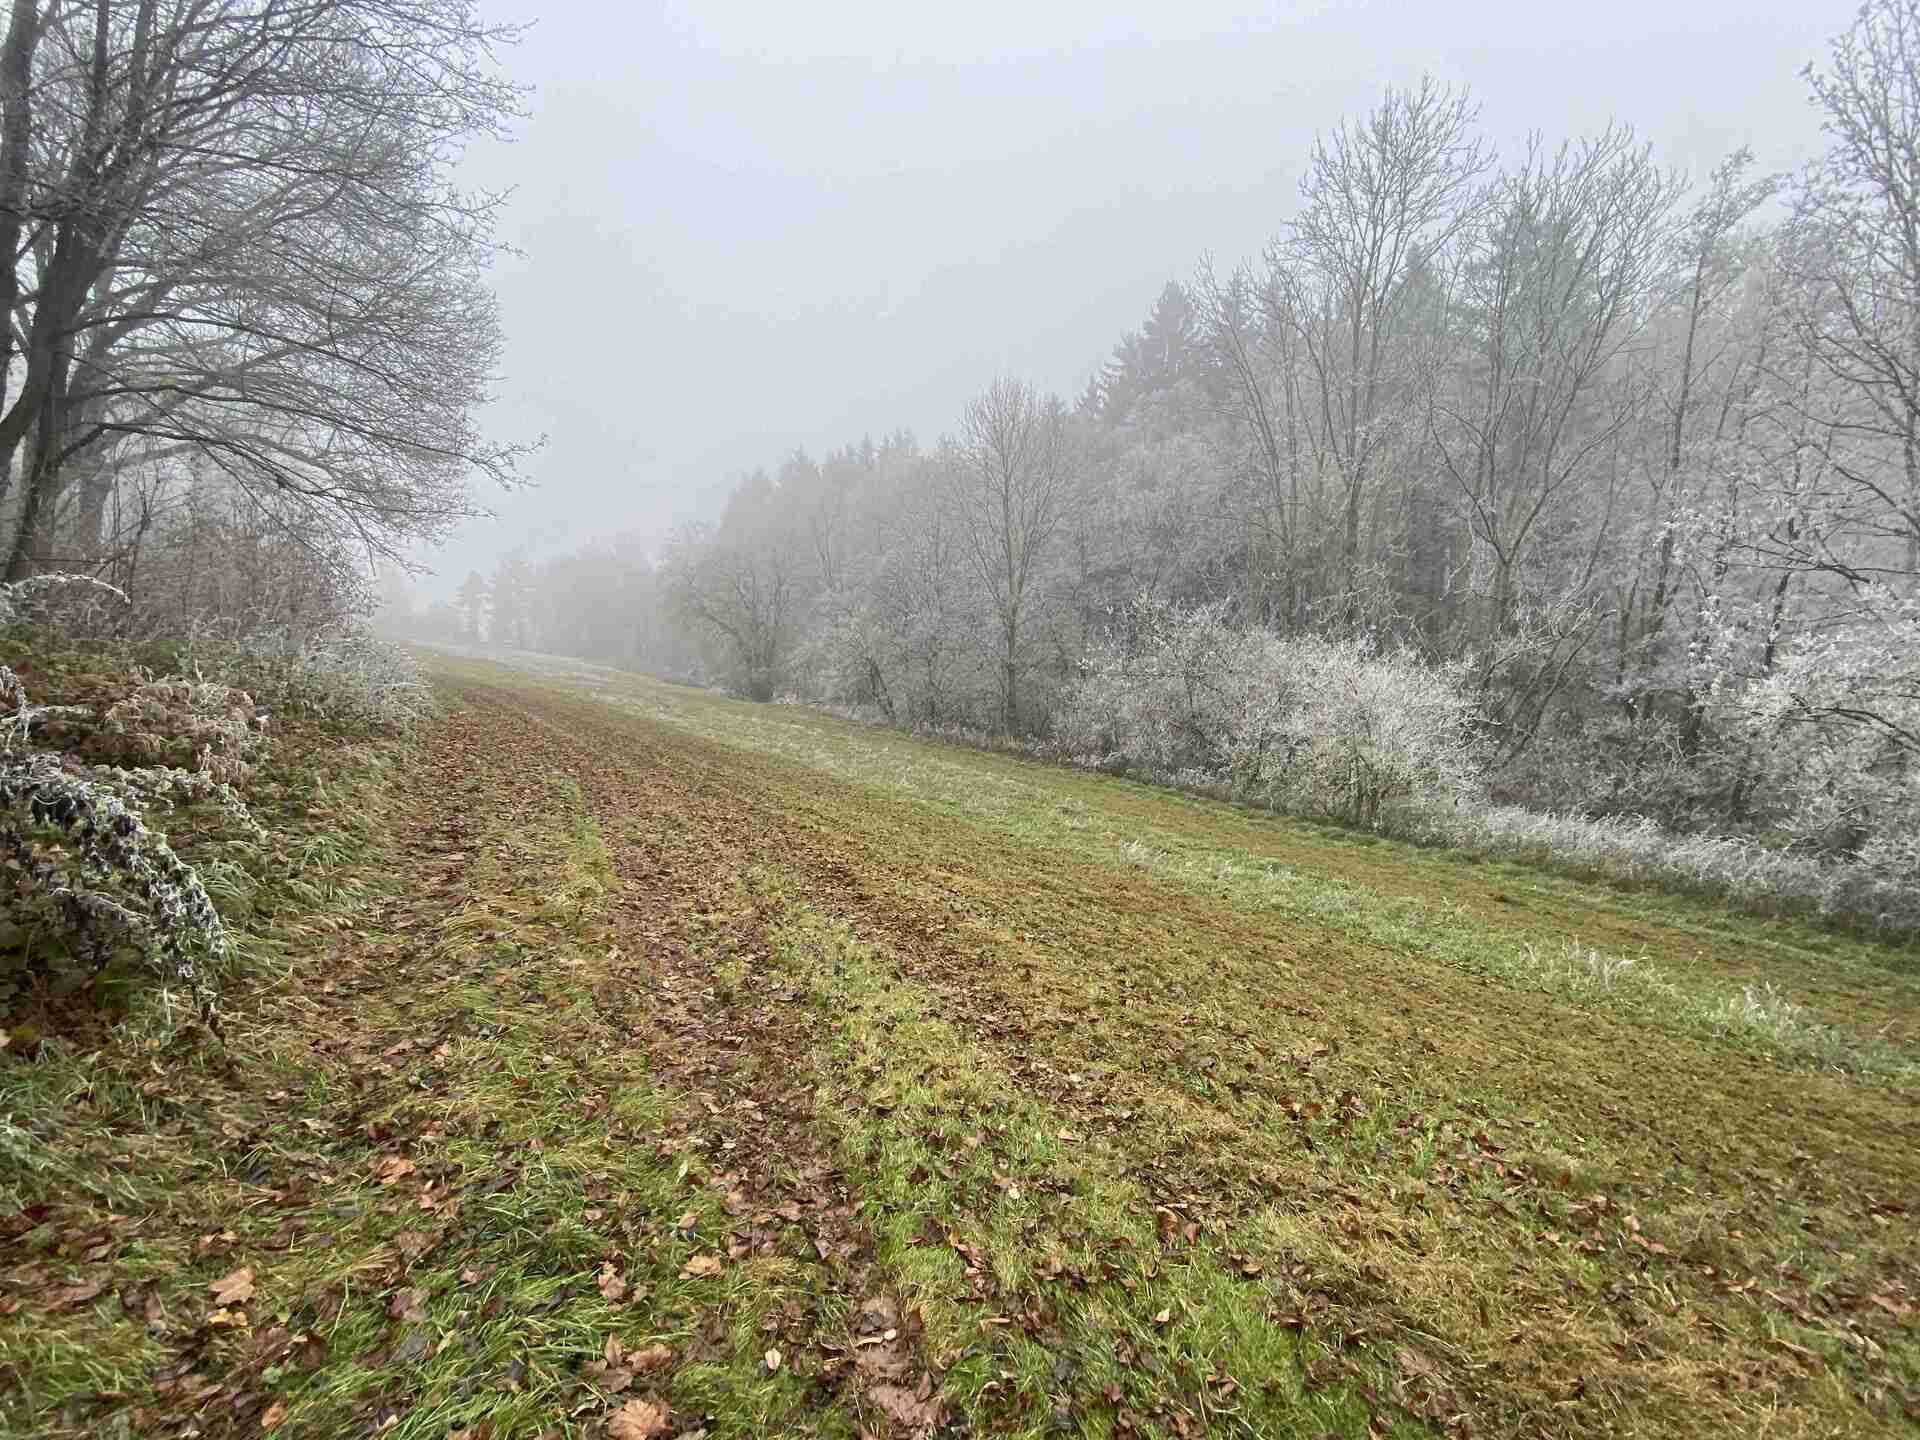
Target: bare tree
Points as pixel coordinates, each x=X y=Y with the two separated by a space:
x=1702 y=361
x=1012 y=475
x=1568 y=261
x=740 y=583
x=1258 y=376
x=1856 y=251
x=231 y=231
x=1362 y=277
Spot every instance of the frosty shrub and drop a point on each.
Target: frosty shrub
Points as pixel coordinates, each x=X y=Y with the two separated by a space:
x=82 y=864
x=83 y=876
x=346 y=676
x=1856 y=892
x=1298 y=723
x=1834 y=734
x=1818 y=760
x=78 y=606
x=170 y=723
x=1324 y=728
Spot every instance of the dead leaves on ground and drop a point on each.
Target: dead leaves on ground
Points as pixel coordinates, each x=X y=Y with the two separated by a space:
x=409 y=1305
x=71 y=1297
x=915 y=1409
x=234 y=1289
x=893 y=1379
x=231 y=1292
x=392 y=1169
x=618 y=1367
x=639 y=1420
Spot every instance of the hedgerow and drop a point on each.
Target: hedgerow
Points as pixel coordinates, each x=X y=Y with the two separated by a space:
x=1325 y=728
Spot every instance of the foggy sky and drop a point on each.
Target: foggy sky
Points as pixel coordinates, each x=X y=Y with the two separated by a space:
x=751 y=227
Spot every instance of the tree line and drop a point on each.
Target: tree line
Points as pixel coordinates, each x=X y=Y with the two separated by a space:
x=1631 y=463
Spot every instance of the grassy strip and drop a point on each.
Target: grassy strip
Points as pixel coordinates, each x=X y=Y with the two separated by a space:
x=1052 y=1286
x=1382 y=1273
x=1761 y=1016
x=1758 y=1018
x=425 y=1190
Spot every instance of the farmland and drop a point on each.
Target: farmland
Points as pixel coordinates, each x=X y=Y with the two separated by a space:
x=661 y=1063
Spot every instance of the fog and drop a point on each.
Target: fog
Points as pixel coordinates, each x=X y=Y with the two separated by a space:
x=742 y=229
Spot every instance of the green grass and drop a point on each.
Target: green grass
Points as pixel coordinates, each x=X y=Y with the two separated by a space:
x=979 y=1191
x=1855 y=1006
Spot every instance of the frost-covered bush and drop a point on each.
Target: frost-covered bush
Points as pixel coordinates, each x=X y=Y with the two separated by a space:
x=1320 y=727
x=84 y=865
x=83 y=877
x=168 y=723
x=1638 y=851
x=1833 y=731
x=346 y=676
x=1298 y=723
x=79 y=606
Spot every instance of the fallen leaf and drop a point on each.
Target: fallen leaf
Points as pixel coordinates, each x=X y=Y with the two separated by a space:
x=613 y=1289
x=1165 y=1317
x=409 y=1305
x=1415 y=1363
x=412 y=1244
x=274 y=1414
x=903 y=1407
x=234 y=1289
x=645 y=1362
x=773 y=1361
x=393 y=1169
x=703 y=1265
x=68 y=1296
x=638 y=1420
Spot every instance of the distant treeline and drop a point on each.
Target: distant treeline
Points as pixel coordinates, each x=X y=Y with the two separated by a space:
x=1631 y=464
